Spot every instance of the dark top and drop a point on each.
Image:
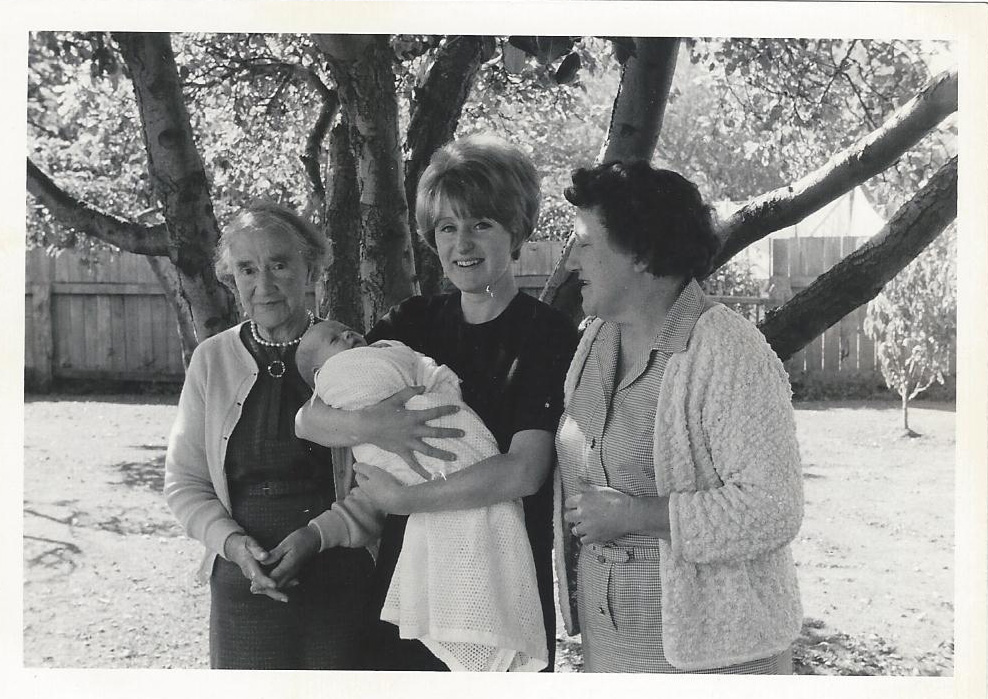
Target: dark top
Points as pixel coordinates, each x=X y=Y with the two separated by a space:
x=263 y=445
x=512 y=370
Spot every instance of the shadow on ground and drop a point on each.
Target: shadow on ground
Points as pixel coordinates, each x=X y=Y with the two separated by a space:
x=149 y=475
x=820 y=651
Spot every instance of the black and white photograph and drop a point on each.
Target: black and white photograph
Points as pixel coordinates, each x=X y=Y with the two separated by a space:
x=559 y=338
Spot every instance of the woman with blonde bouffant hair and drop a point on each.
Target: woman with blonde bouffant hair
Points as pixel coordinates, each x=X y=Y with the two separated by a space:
x=477 y=203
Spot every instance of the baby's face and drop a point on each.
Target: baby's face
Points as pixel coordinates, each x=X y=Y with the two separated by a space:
x=322 y=341
x=336 y=337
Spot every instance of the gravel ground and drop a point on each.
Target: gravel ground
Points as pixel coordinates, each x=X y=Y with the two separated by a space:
x=108 y=575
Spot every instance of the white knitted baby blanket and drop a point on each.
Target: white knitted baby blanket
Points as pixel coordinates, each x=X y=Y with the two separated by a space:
x=465 y=583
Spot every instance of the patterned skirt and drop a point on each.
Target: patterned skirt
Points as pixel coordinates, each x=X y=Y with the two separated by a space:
x=622 y=623
x=323 y=624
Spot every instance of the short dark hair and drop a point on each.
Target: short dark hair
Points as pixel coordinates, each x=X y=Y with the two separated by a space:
x=656 y=215
x=482 y=176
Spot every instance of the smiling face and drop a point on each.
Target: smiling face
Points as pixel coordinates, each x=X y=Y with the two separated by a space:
x=606 y=273
x=271 y=277
x=475 y=252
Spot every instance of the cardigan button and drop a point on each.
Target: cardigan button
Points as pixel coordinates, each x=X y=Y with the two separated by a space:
x=601 y=610
x=593 y=442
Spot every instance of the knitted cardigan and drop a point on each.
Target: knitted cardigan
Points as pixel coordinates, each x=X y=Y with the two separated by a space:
x=725 y=453
x=220 y=375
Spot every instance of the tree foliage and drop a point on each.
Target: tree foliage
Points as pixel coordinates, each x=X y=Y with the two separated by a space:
x=743 y=117
x=913 y=322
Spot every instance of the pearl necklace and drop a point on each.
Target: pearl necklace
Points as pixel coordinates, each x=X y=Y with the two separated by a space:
x=288 y=343
x=276 y=368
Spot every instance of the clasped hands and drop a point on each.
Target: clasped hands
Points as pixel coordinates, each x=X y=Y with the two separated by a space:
x=272 y=572
x=599 y=514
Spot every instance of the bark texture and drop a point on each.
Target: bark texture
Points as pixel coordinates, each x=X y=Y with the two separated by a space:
x=860 y=276
x=868 y=157
x=362 y=68
x=178 y=177
x=435 y=114
x=640 y=104
x=167 y=276
x=339 y=289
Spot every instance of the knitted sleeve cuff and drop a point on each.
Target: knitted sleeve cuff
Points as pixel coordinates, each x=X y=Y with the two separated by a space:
x=332 y=530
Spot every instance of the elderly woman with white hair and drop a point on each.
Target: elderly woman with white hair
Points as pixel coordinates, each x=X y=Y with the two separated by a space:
x=239 y=480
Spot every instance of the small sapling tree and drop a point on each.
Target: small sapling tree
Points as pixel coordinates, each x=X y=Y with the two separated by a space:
x=913 y=322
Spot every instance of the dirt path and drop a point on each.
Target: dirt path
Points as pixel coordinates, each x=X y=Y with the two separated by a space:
x=108 y=575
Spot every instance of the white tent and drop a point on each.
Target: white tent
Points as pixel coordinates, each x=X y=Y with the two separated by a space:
x=849 y=215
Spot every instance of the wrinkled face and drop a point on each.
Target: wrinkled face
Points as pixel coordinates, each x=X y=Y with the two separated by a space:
x=605 y=272
x=271 y=277
x=475 y=252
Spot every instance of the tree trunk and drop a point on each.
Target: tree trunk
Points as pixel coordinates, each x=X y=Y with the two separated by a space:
x=179 y=179
x=860 y=276
x=341 y=298
x=78 y=215
x=636 y=122
x=435 y=114
x=362 y=68
x=868 y=157
x=905 y=412
x=164 y=270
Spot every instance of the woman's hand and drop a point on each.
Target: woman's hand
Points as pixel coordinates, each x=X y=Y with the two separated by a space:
x=249 y=555
x=387 y=425
x=381 y=488
x=403 y=432
x=291 y=554
x=599 y=515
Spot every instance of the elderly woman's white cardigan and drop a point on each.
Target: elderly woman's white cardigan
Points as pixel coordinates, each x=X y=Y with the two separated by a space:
x=725 y=453
x=220 y=375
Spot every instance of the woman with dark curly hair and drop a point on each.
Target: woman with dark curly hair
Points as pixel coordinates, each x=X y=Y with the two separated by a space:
x=679 y=468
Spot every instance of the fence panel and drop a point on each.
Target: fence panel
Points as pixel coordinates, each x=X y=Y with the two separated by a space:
x=112 y=319
x=105 y=320
x=844 y=348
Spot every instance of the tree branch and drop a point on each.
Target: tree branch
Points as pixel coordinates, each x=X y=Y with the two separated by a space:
x=81 y=216
x=636 y=119
x=860 y=276
x=868 y=157
x=313 y=143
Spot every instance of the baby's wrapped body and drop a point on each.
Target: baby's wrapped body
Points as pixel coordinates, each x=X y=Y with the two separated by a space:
x=464 y=584
x=363 y=376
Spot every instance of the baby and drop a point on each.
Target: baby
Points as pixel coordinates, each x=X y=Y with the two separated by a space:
x=464 y=584
x=346 y=373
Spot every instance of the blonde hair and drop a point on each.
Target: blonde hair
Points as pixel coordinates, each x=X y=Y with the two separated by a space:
x=481 y=176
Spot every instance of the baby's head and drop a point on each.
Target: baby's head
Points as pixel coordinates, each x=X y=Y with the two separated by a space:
x=322 y=341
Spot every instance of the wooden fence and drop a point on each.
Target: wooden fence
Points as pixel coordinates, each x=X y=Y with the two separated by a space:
x=843 y=350
x=111 y=320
